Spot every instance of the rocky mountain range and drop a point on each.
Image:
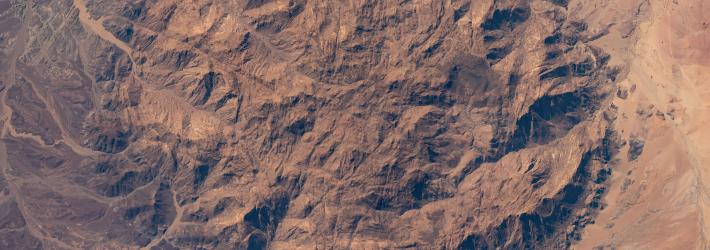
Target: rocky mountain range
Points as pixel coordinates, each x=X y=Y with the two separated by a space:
x=354 y=124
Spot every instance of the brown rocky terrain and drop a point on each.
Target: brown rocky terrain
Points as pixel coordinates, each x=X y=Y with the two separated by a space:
x=354 y=124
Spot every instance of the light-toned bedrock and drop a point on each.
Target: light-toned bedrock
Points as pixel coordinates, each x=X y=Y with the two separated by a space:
x=660 y=199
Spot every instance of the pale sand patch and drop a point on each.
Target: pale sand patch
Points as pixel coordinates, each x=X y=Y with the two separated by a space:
x=660 y=201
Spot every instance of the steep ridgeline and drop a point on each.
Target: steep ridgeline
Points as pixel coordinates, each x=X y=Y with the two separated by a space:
x=294 y=124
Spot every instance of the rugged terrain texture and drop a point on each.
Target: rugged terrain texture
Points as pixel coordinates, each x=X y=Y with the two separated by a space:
x=354 y=124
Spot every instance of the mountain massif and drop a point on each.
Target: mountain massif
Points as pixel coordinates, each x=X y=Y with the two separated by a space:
x=354 y=124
